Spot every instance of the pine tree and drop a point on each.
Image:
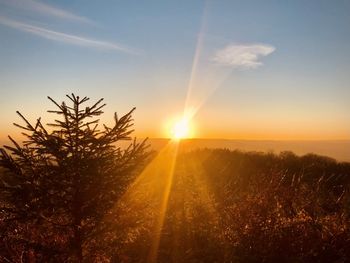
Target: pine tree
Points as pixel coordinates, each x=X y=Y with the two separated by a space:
x=61 y=183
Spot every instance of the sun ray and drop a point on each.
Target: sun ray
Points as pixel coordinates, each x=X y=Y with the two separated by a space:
x=196 y=57
x=152 y=257
x=205 y=84
x=149 y=195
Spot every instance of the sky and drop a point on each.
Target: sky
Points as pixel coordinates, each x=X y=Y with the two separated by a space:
x=266 y=70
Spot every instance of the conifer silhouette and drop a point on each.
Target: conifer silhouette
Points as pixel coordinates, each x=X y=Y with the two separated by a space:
x=59 y=185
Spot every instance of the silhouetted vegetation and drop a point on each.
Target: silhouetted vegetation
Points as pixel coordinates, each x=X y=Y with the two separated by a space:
x=265 y=207
x=58 y=188
x=72 y=195
x=230 y=206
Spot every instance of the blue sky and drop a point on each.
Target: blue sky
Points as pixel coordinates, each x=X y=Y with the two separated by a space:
x=264 y=69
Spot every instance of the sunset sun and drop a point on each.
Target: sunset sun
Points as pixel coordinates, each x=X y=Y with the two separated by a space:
x=181 y=129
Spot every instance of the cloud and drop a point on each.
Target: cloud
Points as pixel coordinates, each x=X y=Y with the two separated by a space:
x=63 y=37
x=44 y=9
x=242 y=56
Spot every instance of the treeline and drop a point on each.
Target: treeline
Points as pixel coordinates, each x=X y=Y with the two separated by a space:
x=266 y=207
x=71 y=194
x=231 y=206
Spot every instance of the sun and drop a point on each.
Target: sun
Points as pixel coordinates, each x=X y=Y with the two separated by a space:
x=181 y=129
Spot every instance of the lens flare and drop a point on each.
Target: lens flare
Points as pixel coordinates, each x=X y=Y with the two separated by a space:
x=181 y=129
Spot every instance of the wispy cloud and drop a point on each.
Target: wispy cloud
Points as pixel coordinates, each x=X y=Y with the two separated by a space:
x=44 y=9
x=242 y=56
x=63 y=37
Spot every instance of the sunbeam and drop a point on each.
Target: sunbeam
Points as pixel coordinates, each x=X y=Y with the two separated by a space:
x=205 y=77
x=170 y=160
x=154 y=185
x=196 y=57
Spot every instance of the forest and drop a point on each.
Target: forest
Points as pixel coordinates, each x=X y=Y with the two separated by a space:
x=69 y=193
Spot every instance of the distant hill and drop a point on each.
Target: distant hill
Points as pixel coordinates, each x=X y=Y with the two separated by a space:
x=339 y=150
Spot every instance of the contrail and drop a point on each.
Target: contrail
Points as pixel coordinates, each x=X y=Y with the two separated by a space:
x=45 y=9
x=63 y=37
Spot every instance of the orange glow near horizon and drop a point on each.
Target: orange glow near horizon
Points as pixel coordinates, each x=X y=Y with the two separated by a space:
x=180 y=129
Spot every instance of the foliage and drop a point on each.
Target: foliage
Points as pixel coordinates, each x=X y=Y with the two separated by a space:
x=230 y=206
x=59 y=187
x=266 y=207
x=73 y=195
